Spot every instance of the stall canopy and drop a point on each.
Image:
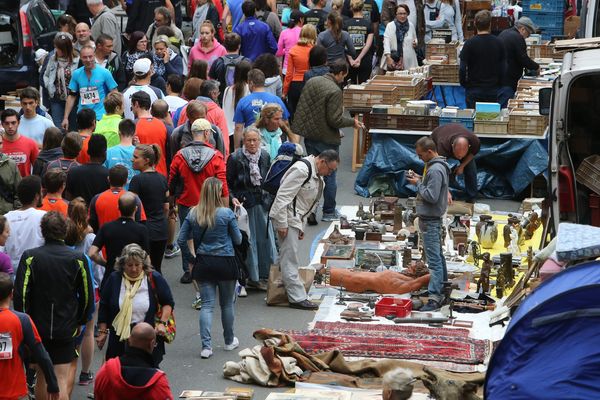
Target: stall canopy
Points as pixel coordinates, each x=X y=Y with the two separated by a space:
x=505 y=167
x=551 y=349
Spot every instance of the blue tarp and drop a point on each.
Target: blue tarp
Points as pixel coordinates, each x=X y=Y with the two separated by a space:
x=505 y=167
x=551 y=349
x=448 y=96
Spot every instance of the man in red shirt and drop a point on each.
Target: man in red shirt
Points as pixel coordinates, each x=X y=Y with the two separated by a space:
x=86 y=123
x=190 y=167
x=17 y=333
x=21 y=149
x=149 y=130
x=104 y=206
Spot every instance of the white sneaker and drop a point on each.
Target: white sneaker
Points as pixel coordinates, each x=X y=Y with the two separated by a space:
x=234 y=345
x=206 y=353
x=242 y=292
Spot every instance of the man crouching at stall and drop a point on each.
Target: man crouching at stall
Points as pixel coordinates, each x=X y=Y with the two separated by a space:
x=432 y=202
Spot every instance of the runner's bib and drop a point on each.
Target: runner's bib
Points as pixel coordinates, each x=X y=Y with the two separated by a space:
x=89 y=95
x=6 y=347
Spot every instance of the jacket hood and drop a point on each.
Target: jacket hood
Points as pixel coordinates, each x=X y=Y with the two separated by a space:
x=197 y=155
x=439 y=160
x=209 y=103
x=216 y=46
x=271 y=81
x=50 y=154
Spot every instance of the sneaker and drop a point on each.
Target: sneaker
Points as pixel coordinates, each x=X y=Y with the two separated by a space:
x=197 y=304
x=242 y=292
x=172 y=251
x=305 y=305
x=206 y=353
x=329 y=217
x=431 y=305
x=312 y=219
x=186 y=278
x=234 y=345
x=85 y=378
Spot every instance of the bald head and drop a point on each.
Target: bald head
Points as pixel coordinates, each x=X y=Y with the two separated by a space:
x=82 y=32
x=460 y=147
x=127 y=204
x=143 y=337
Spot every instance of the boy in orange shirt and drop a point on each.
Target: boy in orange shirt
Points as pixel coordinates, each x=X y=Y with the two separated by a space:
x=54 y=182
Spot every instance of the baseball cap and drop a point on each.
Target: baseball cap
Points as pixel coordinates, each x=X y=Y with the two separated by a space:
x=528 y=24
x=142 y=66
x=201 y=124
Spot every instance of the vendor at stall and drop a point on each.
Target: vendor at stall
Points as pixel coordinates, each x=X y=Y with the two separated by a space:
x=454 y=141
x=517 y=59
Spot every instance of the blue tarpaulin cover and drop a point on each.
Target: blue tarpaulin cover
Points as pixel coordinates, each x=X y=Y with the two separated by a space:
x=504 y=167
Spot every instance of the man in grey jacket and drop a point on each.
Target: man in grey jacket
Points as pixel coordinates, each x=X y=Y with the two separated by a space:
x=432 y=202
x=105 y=22
x=299 y=192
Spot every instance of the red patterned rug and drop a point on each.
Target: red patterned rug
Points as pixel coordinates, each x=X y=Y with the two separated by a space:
x=394 y=341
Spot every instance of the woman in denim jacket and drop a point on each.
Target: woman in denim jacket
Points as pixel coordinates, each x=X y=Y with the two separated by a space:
x=208 y=233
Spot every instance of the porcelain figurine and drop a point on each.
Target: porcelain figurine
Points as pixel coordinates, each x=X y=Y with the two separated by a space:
x=487 y=232
x=512 y=221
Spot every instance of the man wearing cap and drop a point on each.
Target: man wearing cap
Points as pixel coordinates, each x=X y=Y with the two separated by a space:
x=143 y=70
x=256 y=35
x=190 y=167
x=515 y=48
x=92 y=83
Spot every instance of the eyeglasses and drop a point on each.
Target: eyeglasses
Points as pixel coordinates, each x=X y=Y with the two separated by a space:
x=331 y=170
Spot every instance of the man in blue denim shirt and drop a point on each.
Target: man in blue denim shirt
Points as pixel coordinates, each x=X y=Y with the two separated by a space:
x=432 y=202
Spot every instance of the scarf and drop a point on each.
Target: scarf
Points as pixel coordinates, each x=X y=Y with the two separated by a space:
x=401 y=30
x=255 y=177
x=159 y=64
x=63 y=76
x=272 y=140
x=199 y=18
x=122 y=322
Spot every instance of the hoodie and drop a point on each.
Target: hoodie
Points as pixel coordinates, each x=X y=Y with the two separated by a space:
x=274 y=85
x=432 y=190
x=44 y=158
x=9 y=181
x=198 y=53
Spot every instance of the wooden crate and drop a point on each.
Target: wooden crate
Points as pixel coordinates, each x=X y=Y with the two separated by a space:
x=526 y=122
x=499 y=126
x=444 y=73
x=444 y=49
x=370 y=95
x=404 y=122
x=545 y=50
x=406 y=89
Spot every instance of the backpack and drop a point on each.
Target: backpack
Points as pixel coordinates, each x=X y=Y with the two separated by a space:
x=229 y=65
x=286 y=157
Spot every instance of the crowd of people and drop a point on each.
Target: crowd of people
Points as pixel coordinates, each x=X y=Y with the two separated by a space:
x=129 y=135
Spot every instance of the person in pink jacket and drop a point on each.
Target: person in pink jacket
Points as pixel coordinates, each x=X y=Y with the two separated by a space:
x=289 y=37
x=207 y=48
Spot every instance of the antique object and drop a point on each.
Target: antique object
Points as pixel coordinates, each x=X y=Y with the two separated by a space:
x=514 y=240
x=344 y=224
x=487 y=232
x=406 y=257
x=456 y=223
x=483 y=283
x=372 y=258
x=408 y=217
x=337 y=252
x=337 y=237
x=529 y=257
x=359 y=233
x=530 y=225
x=459 y=236
x=506 y=269
x=462 y=249
x=361 y=211
x=385 y=282
x=403 y=234
x=416 y=269
x=398 y=217
x=475 y=252
x=512 y=221
x=500 y=285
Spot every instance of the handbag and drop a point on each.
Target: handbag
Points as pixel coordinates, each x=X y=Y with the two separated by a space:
x=171 y=328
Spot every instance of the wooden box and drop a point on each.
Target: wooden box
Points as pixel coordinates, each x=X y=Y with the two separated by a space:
x=405 y=122
x=443 y=49
x=499 y=125
x=367 y=95
x=444 y=73
x=526 y=122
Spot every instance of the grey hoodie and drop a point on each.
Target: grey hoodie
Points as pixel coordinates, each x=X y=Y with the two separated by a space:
x=432 y=191
x=274 y=85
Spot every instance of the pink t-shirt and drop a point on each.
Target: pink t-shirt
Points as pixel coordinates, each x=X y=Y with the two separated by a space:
x=287 y=40
x=198 y=53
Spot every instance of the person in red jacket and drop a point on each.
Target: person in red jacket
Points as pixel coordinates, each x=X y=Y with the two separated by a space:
x=134 y=374
x=190 y=167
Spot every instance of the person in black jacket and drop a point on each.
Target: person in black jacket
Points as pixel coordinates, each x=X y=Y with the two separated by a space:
x=515 y=48
x=141 y=14
x=54 y=286
x=106 y=57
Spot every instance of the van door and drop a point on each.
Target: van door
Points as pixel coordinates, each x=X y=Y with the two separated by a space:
x=42 y=24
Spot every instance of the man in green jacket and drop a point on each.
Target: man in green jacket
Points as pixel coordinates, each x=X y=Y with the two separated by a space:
x=319 y=118
x=9 y=181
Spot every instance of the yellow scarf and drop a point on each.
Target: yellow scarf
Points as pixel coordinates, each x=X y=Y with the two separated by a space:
x=122 y=322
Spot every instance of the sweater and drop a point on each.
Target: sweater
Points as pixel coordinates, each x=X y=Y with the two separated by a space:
x=257 y=38
x=319 y=115
x=432 y=190
x=482 y=62
x=336 y=50
x=297 y=65
x=515 y=50
x=106 y=22
x=198 y=53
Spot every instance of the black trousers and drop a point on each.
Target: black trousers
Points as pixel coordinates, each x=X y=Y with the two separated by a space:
x=157 y=251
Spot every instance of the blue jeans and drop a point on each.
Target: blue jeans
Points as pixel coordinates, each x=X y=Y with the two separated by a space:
x=330 y=190
x=470 y=178
x=475 y=94
x=432 y=243
x=208 y=291
x=183 y=212
x=504 y=94
x=57 y=110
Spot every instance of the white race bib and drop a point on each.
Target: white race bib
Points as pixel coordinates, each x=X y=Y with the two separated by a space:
x=89 y=95
x=6 y=347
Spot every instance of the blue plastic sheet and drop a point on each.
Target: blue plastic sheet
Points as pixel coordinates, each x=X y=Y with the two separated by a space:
x=505 y=167
x=448 y=96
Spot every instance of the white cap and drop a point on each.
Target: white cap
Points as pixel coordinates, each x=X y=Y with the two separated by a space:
x=142 y=66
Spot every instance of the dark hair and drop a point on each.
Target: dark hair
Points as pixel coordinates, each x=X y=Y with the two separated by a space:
x=9 y=112
x=127 y=128
x=28 y=188
x=159 y=109
x=403 y=6
x=165 y=30
x=329 y=155
x=52 y=138
x=426 y=143
x=6 y=286
x=71 y=145
x=30 y=93
x=191 y=89
x=54 y=179
x=64 y=43
x=295 y=17
x=54 y=226
x=86 y=118
x=207 y=87
x=103 y=38
x=65 y=20
x=77 y=223
x=127 y=204
x=240 y=79
x=232 y=41
x=335 y=25
x=175 y=82
x=268 y=64
x=317 y=56
x=142 y=99
x=338 y=66
x=97 y=146
x=483 y=20
x=117 y=176
x=256 y=77
x=199 y=69
x=261 y=5
x=2 y=223
x=249 y=8
x=134 y=38
x=150 y=152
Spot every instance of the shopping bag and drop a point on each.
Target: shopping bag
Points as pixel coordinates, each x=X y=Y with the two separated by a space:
x=276 y=294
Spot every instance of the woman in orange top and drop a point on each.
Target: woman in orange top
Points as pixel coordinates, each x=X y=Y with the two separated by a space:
x=297 y=66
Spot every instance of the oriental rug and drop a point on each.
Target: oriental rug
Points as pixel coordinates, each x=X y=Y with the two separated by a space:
x=394 y=341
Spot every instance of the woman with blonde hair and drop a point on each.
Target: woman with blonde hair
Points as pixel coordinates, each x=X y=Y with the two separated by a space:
x=208 y=235
x=297 y=65
x=337 y=41
x=361 y=31
x=268 y=124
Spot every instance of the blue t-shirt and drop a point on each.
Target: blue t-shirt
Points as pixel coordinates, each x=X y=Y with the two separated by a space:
x=121 y=155
x=92 y=91
x=34 y=128
x=235 y=7
x=249 y=107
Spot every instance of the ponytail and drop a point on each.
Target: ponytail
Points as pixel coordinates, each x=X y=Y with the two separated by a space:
x=151 y=152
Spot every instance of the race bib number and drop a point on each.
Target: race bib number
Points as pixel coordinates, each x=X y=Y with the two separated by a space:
x=6 y=347
x=89 y=95
x=358 y=40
